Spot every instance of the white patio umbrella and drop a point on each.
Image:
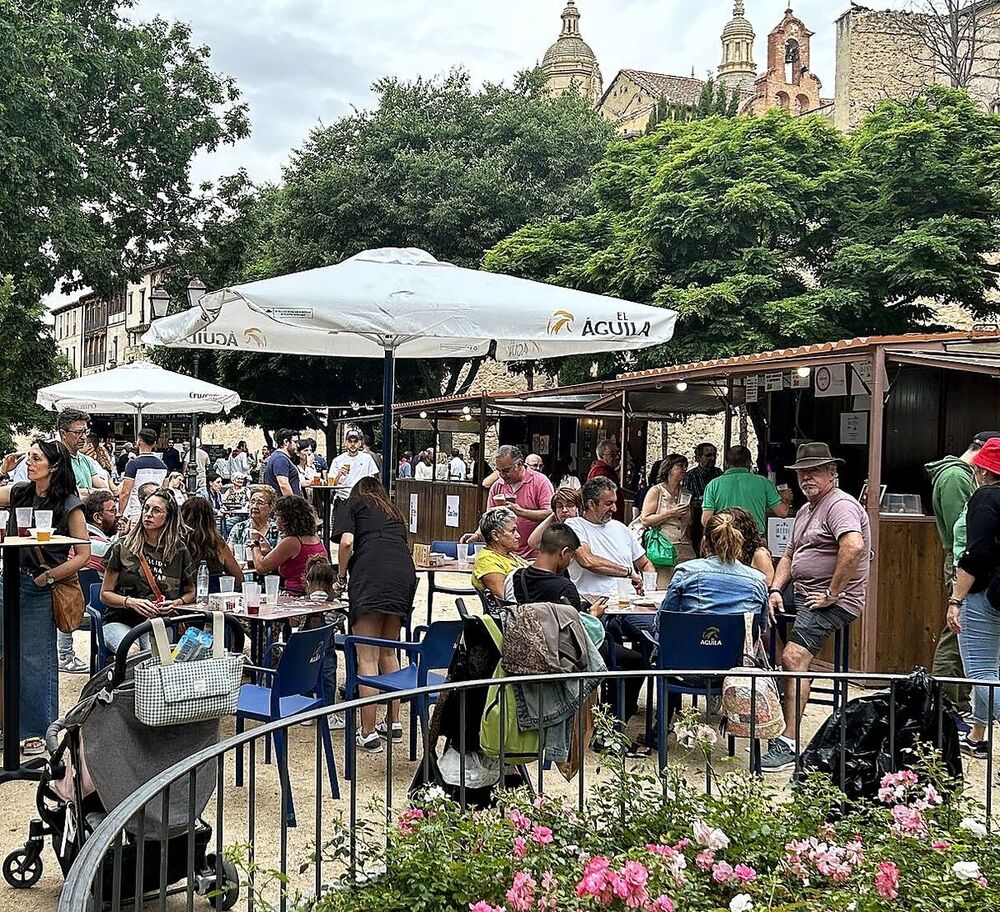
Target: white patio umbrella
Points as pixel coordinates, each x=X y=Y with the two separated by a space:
x=403 y=303
x=142 y=388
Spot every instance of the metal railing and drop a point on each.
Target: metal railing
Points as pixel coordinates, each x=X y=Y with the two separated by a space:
x=110 y=867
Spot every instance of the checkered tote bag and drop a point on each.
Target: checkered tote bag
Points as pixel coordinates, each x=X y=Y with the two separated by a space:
x=173 y=693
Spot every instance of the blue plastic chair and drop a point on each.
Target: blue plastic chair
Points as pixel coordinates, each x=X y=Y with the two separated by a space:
x=433 y=650
x=451 y=550
x=687 y=640
x=296 y=687
x=95 y=609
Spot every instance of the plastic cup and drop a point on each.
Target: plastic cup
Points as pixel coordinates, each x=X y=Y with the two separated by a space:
x=240 y=553
x=271 y=584
x=227 y=583
x=251 y=594
x=648 y=581
x=626 y=591
x=24 y=515
x=463 y=552
x=4 y=519
x=43 y=525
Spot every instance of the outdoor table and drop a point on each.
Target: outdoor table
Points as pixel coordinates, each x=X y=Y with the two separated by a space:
x=10 y=554
x=322 y=501
x=449 y=566
x=288 y=606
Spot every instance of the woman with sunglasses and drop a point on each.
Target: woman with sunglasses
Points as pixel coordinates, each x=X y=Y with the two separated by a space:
x=51 y=486
x=150 y=572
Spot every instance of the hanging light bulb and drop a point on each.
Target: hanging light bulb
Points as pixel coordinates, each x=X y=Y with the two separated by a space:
x=466 y=410
x=804 y=372
x=423 y=414
x=682 y=386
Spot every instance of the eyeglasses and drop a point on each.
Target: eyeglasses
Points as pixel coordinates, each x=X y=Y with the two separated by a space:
x=79 y=432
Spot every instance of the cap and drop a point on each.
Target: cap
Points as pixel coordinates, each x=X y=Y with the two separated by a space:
x=983 y=436
x=353 y=434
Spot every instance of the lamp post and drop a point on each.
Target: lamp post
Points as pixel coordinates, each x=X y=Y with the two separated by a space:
x=195 y=292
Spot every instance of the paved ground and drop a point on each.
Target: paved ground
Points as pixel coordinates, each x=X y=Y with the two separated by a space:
x=371 y=783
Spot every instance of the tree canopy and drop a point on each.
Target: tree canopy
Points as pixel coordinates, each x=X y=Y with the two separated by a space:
x=101 y=118
x=775 y=230
x=437 y=164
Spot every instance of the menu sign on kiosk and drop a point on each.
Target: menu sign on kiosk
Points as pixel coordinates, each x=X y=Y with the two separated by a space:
x=779 y=534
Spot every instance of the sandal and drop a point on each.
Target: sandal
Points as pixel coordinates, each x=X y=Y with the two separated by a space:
x=32 y=747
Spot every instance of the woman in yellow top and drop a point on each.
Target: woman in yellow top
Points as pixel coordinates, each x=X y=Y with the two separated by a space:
x=499 y=530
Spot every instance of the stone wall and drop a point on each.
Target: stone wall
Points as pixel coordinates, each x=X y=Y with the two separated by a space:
x=880 y=55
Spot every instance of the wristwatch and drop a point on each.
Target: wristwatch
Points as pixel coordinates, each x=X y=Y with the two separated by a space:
x=774 y=592
x=836 y=598
x=50 y=580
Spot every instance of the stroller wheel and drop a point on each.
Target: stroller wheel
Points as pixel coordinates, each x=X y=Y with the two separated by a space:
x=22 y=869
x=225 y=895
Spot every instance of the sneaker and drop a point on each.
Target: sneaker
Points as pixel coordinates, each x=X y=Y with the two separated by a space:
x=978 y=749
x=73 y=665
x=383 y=732
x=780 y=756
x=370 y=742
x=336 y=721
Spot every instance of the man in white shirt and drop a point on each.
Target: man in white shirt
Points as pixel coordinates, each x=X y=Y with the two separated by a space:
x=457 y=469
x=145 y=468
x=424 y=468
x=608 y=550
x=351 y=466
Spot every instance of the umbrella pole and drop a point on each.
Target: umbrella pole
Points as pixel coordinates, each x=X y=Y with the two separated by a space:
x=388 y=395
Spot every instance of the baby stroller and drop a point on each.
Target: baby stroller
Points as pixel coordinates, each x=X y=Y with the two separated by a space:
x=99 y=754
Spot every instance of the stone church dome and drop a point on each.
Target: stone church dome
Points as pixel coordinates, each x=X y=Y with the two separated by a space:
x=571 y=60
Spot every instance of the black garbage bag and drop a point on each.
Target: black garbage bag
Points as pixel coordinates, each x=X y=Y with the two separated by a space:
x=923 y=714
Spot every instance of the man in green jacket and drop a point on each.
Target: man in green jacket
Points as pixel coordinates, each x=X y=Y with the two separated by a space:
x=953 y=486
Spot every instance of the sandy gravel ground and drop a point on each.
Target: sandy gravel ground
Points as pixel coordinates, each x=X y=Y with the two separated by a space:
x=18 y=798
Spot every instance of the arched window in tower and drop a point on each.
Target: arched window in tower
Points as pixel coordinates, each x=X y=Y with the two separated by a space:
x=995 y=106
x=802 y=104
x=782 y=100
x=791 y=61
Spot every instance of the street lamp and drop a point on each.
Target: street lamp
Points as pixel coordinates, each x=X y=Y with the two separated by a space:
x=195 y=292
x=159 y=300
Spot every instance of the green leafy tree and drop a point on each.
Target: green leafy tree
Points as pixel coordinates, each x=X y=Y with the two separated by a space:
x=771 y=231
x=436 y=164
x=29 y=362
x=100 y=118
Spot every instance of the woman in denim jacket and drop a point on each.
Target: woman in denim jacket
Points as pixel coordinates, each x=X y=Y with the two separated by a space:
x=718 y=583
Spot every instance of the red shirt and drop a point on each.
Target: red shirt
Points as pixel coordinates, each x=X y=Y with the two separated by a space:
x=533 y=492
x=600 y=469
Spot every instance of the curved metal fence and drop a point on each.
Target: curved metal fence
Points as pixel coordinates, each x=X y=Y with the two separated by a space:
x=256 y=820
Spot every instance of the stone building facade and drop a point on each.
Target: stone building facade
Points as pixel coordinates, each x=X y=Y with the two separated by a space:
x=570 y=62
x=880 y=54
x=738 y=70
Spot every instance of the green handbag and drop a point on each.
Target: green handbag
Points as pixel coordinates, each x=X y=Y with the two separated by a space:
x=659 y=549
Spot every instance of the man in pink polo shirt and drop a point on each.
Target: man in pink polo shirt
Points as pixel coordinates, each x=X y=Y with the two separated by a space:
x=524 y=491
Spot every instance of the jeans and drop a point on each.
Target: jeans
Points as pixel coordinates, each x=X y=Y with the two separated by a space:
x=115 y=632
x=39 y=670
x=979 y=643
x=65 y=640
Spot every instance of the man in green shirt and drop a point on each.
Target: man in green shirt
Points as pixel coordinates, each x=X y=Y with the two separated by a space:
x=72 y=426
x=739 y=487
x=953 y=483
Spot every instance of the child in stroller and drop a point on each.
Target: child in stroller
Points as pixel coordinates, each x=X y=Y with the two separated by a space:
x=99 y=753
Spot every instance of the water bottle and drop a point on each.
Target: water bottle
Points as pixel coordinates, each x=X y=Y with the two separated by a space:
x=201 y=592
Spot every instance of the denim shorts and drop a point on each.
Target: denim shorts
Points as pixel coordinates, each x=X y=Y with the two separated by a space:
x=812 y=629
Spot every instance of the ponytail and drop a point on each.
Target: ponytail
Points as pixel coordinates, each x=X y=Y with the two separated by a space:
x=724 y=539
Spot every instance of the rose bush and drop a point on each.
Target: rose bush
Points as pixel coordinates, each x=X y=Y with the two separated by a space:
x=661 y=844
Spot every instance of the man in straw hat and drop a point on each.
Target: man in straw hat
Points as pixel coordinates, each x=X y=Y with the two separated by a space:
x=827 y=561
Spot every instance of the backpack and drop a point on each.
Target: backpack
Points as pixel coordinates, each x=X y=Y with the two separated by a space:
x=744 y=697
x=518 y=746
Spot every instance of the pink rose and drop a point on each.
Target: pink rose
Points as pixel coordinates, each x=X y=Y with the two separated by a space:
x=662 y=904
x=520 y=847
x=705 y=860
x=887 y=880
x=744 y=873
x=542 y=835
x=722 y=872
x=519 y=820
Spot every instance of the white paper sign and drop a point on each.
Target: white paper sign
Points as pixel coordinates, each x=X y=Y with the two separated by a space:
x=862 y=404
x=779 y=534
x=773 y=383
x=831 y=380
x=854 y=428
x=751 y=388
x=414 y=500
x=801 y=382
x=451 y=511
x=861 y=378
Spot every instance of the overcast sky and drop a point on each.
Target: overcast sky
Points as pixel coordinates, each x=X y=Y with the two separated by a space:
x=300 y=62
